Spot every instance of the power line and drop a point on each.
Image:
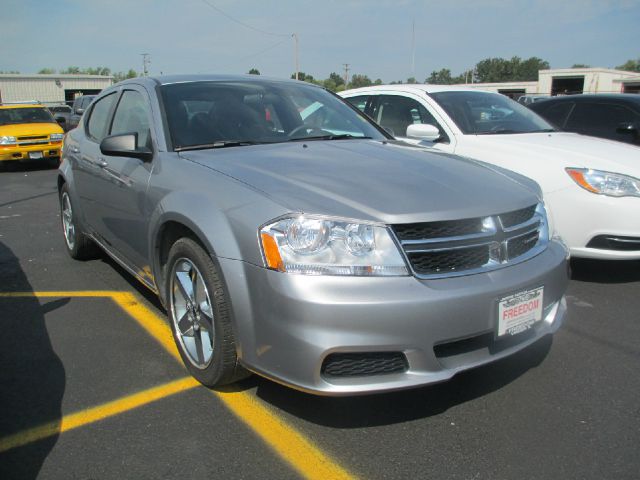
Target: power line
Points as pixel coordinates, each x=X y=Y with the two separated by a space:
x=233 y=19
x=257 y=53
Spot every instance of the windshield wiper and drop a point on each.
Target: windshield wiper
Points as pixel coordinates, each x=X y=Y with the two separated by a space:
x=344 y=136
x=544 y=130
x=220 y=144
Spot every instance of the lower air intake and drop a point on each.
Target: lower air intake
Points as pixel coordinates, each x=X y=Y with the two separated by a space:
x=364 y=364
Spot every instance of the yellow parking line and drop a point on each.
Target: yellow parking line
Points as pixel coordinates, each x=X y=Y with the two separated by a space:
x=94 y=414
x=284 y=439
x=290 y=444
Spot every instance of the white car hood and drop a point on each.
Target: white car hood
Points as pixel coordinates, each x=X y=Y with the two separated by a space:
x=544 y=156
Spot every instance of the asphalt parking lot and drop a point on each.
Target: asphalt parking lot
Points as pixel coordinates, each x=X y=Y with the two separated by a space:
x=90 y=386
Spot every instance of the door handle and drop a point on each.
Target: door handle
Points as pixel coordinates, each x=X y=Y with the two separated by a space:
x=75 y=150
x=102 y=162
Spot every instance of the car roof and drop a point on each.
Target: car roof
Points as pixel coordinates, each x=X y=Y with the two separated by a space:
x=173 y=79
x=421 y=87
x=585 y=97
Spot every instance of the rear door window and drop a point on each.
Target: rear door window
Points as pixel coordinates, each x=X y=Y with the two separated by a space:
x=599 y=119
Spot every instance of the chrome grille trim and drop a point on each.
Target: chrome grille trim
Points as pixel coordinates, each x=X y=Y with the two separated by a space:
x=506 y=244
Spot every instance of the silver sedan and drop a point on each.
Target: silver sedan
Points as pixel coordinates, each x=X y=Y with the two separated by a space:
x=289 y=236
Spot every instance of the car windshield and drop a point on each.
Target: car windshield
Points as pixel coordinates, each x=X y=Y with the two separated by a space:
x=235 y=113
x=25 y=115
x=482 y=113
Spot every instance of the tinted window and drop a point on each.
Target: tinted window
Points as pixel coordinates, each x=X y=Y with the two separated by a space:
x=598 y=117
x=556 y=114
x=489 y=113
x=25 y=115
x=97 y=126
x=202 y=113
x=360 y=102
x=131 y=117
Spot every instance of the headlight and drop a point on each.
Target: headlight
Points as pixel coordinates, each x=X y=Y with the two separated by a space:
x=605 y=183
x=313 y=245
x=56 y=137
x=7 y=140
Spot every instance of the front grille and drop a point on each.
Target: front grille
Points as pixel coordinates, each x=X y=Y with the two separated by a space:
x=516 y=217
x=33 y=142
x=458 y=247
x=364 y=364
x=452 y=228
x=426 y=263
x=33 y=137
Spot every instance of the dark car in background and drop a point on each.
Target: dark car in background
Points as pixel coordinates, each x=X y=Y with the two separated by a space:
x=62 y=114
x=612 y=116
x=80 y=104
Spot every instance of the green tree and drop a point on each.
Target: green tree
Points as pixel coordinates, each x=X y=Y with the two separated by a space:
x=580 y=65
x=71 y=70
x=254 y=71
x=305 y=78
x=336 y=79
x=119 y=76
x=46 y=71
x=630 y=66
x=10 y=72
x=412 y=80
x=377 y=81
x=513 y=70
x=358 y=81
x=443 y=77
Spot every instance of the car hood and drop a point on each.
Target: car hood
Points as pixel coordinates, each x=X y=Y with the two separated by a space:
x=370 y=180
x=544 y=156
x=19 y=129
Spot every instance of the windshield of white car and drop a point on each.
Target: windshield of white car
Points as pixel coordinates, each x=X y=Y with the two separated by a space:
x=213 y=114
x=483 y=113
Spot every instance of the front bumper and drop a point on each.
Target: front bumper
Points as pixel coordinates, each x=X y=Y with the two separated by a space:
x=30 y=152
x=580 y=217
x=287 y=325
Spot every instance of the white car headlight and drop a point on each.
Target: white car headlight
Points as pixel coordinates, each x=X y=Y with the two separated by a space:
x=56 y=137
x=314 y=245
x=7 y=140
x=605 y=183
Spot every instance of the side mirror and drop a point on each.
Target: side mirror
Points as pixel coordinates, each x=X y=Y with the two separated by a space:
x=627 y=127
x=423 y=131
x=125 y=146
x=79 y=111
x=61 y=120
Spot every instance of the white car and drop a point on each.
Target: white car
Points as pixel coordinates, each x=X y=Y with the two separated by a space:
x=591 y=185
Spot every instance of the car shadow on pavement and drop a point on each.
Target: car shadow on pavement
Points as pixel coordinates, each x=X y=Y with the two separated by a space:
x=32 y=377
x=405 y=405
x=605 y=271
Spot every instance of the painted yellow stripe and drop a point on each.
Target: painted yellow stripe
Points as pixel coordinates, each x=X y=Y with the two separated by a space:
x=290 y=444
x=94 y=414
x=285 y=440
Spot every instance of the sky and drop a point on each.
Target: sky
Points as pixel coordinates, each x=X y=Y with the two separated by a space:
x=374 y=37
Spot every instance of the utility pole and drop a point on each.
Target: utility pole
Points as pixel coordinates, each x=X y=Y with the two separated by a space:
x=346 y=74
x=413 y=49
x=295 y=39
x=146 y=60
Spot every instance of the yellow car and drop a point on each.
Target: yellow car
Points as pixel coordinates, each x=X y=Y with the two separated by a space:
x=28 y=131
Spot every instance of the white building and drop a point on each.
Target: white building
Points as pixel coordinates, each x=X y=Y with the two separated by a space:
x=569 y=80
x=50 y=88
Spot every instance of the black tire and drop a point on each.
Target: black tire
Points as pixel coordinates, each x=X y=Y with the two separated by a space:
x=78 y=245
x=188 y=259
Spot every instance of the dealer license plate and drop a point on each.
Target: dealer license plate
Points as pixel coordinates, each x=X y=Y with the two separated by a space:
x=519 y=312
x=35 y=155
